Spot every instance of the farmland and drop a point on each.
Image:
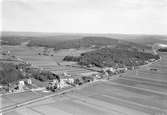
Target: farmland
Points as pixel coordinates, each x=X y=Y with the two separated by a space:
x=142 y=91
x=51 y=63
x=137 y=92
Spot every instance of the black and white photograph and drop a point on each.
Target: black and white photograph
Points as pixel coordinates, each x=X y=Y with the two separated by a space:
x=83 y=57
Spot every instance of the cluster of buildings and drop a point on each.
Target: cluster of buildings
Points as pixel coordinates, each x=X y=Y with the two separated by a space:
x=113 y=71
x=46 y=52
x=64 y=81
x=19 y=86
x=67 y=80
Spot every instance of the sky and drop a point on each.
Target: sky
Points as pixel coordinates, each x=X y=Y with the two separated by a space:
x=85 y=16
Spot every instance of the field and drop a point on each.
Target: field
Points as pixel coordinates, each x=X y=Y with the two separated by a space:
x=138 y=92
x=52 y=63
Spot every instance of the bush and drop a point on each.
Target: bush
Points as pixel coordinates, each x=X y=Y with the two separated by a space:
x=71 y=58
x=45 y=76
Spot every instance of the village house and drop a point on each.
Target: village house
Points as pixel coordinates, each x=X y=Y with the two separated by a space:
x=109 y=70
x=21 y=85
x=151 y=60
x=122 y=70
x=62 y=83
x=28 y=81
x=65 y=82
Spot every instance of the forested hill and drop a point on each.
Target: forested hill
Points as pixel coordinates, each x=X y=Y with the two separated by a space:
x=66 y=41
x=87 y=42
x=112 y=56
x=74 y=43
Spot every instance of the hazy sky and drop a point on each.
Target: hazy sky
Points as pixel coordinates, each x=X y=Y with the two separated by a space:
x=88 y=16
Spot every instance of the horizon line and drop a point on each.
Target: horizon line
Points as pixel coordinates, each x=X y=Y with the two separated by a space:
x=11 y=31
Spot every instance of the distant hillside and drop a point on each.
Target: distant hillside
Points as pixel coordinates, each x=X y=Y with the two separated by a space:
x=136 y=38
x=143 y=39
x=65 y=41
x=16 y=38
x=92 y=42
x=87 y=42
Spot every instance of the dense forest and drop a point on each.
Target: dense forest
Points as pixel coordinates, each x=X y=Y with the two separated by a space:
x=112 y=57
x=9 y=73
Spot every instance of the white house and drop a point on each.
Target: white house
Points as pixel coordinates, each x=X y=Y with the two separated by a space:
x=122 y=69
x=66 y=74
x=29 y=81
x=62 y=83
x=70 y=80
x=110 y=69
x=21 y=85
x=98 y=76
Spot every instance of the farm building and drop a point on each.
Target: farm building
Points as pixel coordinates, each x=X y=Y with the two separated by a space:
x=28 y=81
x=64 y=82
x=121 y=70
x=109 y=70
x=21 y=85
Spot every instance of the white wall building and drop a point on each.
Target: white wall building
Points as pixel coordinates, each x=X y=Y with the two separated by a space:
x=109 y=69
x=29 y=81
x=21 y=85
